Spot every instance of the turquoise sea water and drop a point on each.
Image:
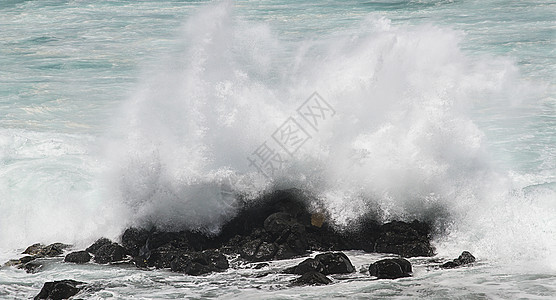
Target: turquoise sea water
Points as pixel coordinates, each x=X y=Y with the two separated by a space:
x=115 y=113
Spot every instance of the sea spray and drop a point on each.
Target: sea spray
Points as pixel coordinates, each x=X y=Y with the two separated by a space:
x=402 y=145
x=48 y=191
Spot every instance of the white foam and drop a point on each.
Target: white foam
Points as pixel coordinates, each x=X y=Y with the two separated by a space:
x=49 y=192
x=401 y=144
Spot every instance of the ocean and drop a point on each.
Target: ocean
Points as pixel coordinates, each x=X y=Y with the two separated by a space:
x=118 y=113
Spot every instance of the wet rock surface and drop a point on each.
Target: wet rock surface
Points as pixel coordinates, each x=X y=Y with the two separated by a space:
x=34 y=252
x=134 y=239
x=390 y=268
x=312 y=278
x=325 y=263
x=405 y=239
x=280 y=225
x=465 y=258
x=335 y=263
x=108 y=253
x=78 y=257
x=97 y=245
x=63 y=289
x=308 y=265
x=52 y=250
x=198 y=263
x=32 y=267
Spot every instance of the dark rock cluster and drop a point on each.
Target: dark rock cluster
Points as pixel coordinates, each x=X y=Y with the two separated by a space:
x=325 y=263
x=390 y=268
x=312 y=278
x=103 y=251
x=314 y=270
x=106 y=251
x=405 y=239
x=57 y=290
x=280 y=225
x=40 y=250
x=34 y=252
x=465 y=258
x=198 y=263
x=78 y=257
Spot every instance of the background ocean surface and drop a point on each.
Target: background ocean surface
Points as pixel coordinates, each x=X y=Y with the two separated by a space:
x=119 y=113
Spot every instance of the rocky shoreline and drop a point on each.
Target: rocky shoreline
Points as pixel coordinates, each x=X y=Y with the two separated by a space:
x=280 y=225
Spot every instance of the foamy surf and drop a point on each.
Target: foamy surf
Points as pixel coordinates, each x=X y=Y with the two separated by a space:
x=402 y=143
x=418 y=131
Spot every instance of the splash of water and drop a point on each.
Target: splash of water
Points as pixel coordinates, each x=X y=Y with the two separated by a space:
x=401 y=144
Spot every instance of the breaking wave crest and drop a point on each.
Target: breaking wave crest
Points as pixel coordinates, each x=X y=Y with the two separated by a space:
x=400 y=145
x=399 y=140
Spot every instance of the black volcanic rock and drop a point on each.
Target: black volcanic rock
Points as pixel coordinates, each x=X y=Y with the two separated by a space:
x=57 y=290
x=274 y=227
x=134 y=239
x=325 y=263
x=33 y=249
x=37 y=251
x=285 y=252
x=160 y=257
x=278 y=225
x=295 y=238
x=327 y=238
x=52 y=250
x=312 y=278
x=32 y=267
x=78 y=257
x=335 y=263
x=254 y=214
x=294 y=229
x=109 y=253
x=266 y=251
x=308 y=265
x=390 y=268
x=159 y=239
x=98 y=244
x=405 y=239
x=198 y=263
x=105 y=251
x=249 y=249
x=464 y=259
x=262 y=245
